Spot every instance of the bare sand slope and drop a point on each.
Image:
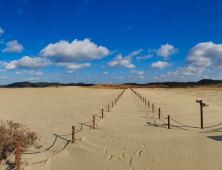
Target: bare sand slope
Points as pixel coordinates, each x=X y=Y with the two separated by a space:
x=51 y=112
x=132 y=137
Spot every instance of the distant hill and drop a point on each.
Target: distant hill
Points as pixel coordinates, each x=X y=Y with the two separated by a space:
x=209 y=82
x=21 y=85
x=42 y=84
x=203 y=82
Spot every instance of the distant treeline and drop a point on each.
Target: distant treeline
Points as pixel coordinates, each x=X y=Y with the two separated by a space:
x=41 y=84
x=182 y=84
x=165 y=84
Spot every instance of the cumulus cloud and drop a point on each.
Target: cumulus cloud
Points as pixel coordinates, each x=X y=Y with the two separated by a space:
x=119 y=61
x=73 y=65
x=184 y=71
x=137 y=72
x=105 y=73
x=159 y=65
x=166 y=50
x=75 y=51
x=39 y=73
x=123 y=61
x=27 y=62
x=144 y=57
x=205 y=54
x=25 y=72
x=130 y=66
x=13 y=47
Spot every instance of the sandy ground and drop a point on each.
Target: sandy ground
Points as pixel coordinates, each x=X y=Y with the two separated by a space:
x=129 y=137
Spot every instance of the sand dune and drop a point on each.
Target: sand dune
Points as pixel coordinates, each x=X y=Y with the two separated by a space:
x=131 y=136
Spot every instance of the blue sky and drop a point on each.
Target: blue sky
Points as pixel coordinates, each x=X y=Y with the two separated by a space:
x=96 y=41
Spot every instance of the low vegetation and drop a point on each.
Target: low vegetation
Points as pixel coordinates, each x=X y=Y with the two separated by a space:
x=11 y=132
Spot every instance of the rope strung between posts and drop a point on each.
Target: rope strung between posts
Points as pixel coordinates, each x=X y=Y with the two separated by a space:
x=156 y=111
x=8 y=158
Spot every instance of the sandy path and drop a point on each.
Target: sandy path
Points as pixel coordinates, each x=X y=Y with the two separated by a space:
x=131 y=137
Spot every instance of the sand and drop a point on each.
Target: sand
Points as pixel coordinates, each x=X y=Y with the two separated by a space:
x=129 y=137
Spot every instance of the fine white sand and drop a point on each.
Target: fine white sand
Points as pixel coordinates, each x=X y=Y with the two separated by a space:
x=129 y=137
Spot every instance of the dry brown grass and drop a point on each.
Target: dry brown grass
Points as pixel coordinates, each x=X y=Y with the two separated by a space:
x=11 y=132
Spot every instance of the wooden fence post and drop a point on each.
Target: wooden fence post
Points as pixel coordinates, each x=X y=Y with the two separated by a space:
x=73 y=134
x=17 y=155
x=153 y=108
x=108 y=107
x=112 y=104
x=94 y=122
x=168 y=121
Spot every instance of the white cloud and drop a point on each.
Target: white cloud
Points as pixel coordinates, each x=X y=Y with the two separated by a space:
x=69 y=71
x=26 y=62
x=2 y=41
x=144 y=57
x=3 y=77
x=73 y=65
x=123 y=61
x=32 y=79
x=130 y=66
x=75 y=51
x=1 y=31
x=54 y=75
x=141 y=77
x=105 y=73
x=13 y=47
x=205 y=54
x=25 y=72
x=119 y=61
x=112 y=52
x=184 y=71
x=39 y=73
x=159 y=65
x=2 y=70
x=136 y=52
x=166 y=50
x=137 y=72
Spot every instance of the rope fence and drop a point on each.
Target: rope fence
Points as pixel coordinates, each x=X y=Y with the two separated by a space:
x=17 y=153
x=168 y=118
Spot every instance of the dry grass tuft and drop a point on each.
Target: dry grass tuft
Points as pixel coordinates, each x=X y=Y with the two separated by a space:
x=11 y=132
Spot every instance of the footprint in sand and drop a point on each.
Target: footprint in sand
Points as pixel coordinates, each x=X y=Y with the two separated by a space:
x=117 y=158
x=122 y=155
x=139 y=154
x=109 y=157
x=113 y=149
x=144 y=146
x=111 y=135
x=130 y=162
x=105 y=151
x=151 y=159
